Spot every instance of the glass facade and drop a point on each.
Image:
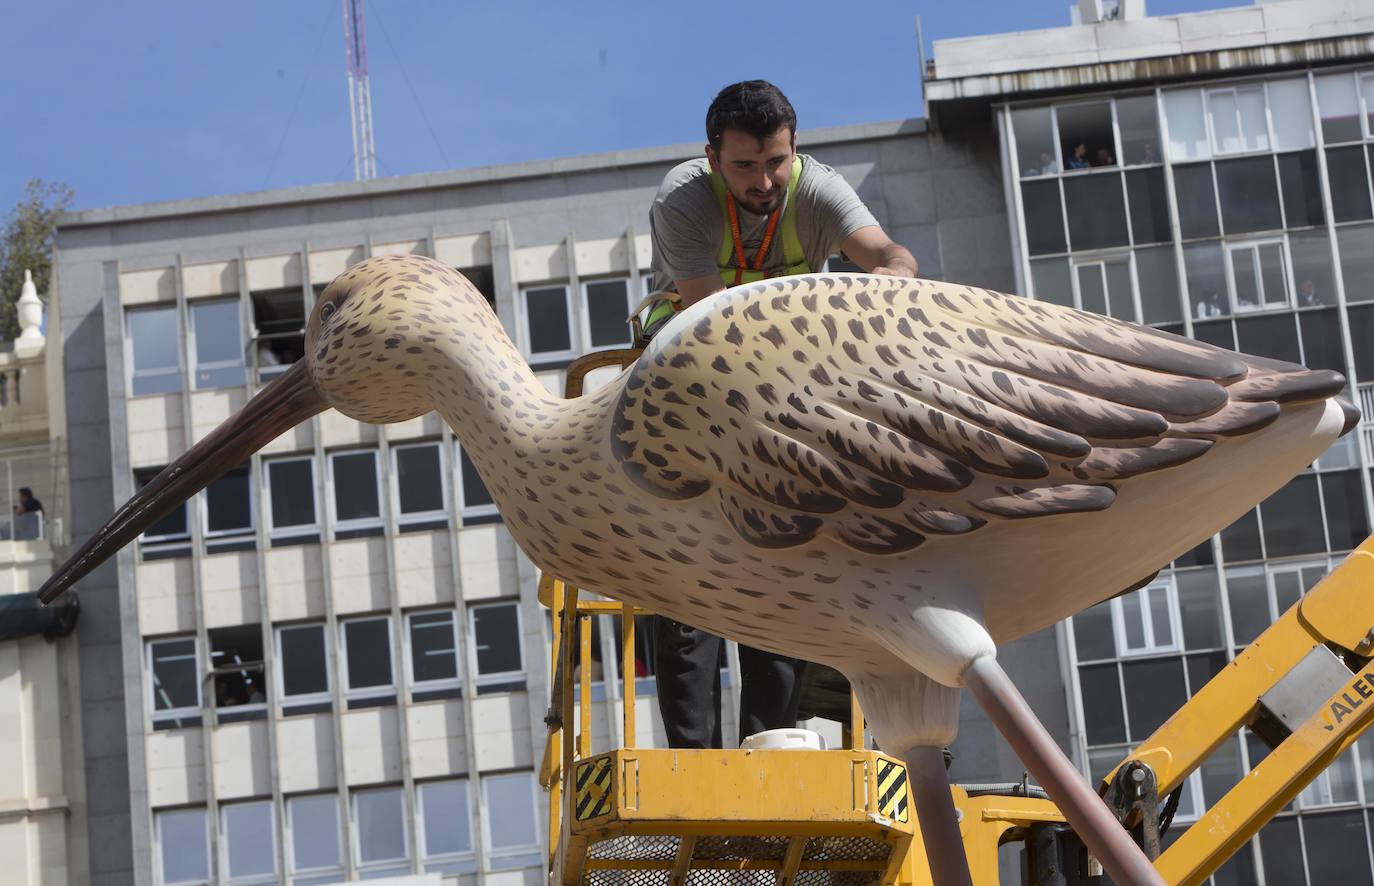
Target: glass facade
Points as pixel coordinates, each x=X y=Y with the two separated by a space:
x=1239 y=214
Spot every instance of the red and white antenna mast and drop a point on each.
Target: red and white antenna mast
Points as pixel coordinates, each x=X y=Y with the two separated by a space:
x=359 y=92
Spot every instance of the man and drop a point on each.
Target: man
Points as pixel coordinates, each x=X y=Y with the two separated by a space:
x=752 y=208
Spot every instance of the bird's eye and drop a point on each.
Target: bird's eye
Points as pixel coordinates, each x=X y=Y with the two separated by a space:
x=327 y=310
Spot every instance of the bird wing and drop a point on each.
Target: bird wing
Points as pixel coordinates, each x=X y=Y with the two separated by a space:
x=882 y=410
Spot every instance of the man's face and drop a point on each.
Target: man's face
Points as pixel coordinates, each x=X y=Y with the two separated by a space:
x=755 y=171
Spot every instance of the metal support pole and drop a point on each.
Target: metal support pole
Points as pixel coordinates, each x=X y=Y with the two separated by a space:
x=938 y=817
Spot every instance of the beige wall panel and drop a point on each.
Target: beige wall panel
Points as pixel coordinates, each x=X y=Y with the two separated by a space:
x=487 y=565
x=42 y=718
x=215 y=278
x=404 y=247
x=600 y=377
x=423 y=575
x=14 y=849
x=552 y=381
x=229 y=583
x=49 y=838
x=210 y=408
x=535 y=264
x=176 y=768
x=155 y=430
x=242 y=767
x=301 y=438
x=295 y=582
x=610 y=256
x=166 y=601
x=305 y=753
x=525 y=877
x=464 y=250
x=372 y=746
x=436 y=739
x=427 y=425
x=148 y=287
x=274 y=272
x=12 y=728
x=644 y=251
x=357 y=570
x=501 y=731
x=338 y=430
x=326 y=264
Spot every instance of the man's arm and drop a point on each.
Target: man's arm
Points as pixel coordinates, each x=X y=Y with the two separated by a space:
x=697 y=288
x=871 y=249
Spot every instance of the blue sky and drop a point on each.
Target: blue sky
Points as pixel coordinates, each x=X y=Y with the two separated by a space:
x=142 y=101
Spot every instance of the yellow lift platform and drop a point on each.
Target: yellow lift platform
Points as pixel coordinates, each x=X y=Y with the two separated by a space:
x=662 y=817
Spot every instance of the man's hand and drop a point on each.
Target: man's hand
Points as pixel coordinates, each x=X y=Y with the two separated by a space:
x=872 y=249
x=896 y=269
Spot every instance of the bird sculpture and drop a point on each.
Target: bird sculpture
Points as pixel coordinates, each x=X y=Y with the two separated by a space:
x=889 y=476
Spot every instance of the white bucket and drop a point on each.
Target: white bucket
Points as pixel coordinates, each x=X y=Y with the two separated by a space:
x=784 y=740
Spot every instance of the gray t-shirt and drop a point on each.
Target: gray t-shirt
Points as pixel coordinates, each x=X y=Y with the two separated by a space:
x=686 y=223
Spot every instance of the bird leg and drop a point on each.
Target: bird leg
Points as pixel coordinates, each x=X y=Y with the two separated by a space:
x=939 y=821
x=1084 y=810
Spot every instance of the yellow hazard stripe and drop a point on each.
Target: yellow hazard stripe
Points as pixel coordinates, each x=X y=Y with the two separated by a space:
x=893 y=793
x=593 y=798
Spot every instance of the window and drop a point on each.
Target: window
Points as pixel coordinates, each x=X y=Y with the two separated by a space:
x=303 y=669
x=1339 y=108
x=1292 y=519
x=279 y=324
x=1290 y=110
x=1148 y=198
x=1187 y=125
x=1104 y=287
x=1135 y=116
x=548 y=323
x=1096 y=212
x=1249 y=195
x=1052 y=281
x=1085 y=135
x=367 y=656
x=313 y=822
x=174 y=669
x=1157 y=275
x=419 y=488
x=249 y=843
x=184 y=843
x=607 y=307
x=1301 y=189
x=496 y=644
x=1257 y=275
x=512 y=834
x=475 y=502
x=236 y=664
x=217 y=344
x=154 y=356
x=357 y=493
x=1197 y=202
x=291 y=489
x=445 y=827
x=1207 y=290
x=1034 y=132
x=1044 y=214
x=1238 y=120
x=167 y=537
x=1269 y=335
x=1349 y=177
x=380 y=833
x=433 y=655
x=229 y=511
x=1146 y=621
x=1356 y=244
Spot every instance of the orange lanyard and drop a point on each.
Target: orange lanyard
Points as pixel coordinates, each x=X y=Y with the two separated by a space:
x=740 y=264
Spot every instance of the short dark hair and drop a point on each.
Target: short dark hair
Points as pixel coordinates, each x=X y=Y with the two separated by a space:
x=754 y=107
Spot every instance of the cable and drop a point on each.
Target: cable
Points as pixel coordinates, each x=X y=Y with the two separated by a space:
x=319 y=41
x=386 y=35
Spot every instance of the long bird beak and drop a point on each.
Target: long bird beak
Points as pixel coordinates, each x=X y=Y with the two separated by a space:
x=277 y=408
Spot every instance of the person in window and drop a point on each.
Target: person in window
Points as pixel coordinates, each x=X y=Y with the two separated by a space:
x=27 y=517
x=1078 y=159
x=1307 y=295
x=751 y=209
x=1103 y=157
x=1048 y=165
x=1149 y=155
x=1209 y=306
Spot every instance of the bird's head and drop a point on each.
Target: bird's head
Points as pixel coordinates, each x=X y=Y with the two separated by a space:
x=375 y=346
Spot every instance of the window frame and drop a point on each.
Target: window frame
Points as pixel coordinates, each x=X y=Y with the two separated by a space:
x=284 y=532
x=523 y=310
x=169 y=715
x=161 y=845
x=204 y=509
x=426 y=686
x=367 y=693
x=1255 y=245
x=358 y=523
x=289 y=836
x=585 y=324
x=132 y=373
x=410 y=519
x=468 y=512
x=494 y=855
x=1235 y=91
x=1124 y=650
x=222 y=836
x=193 y=347
x=1101 y=259
x=174 y=541
x=324 y=697
x=481 y=680
x=445 y=862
